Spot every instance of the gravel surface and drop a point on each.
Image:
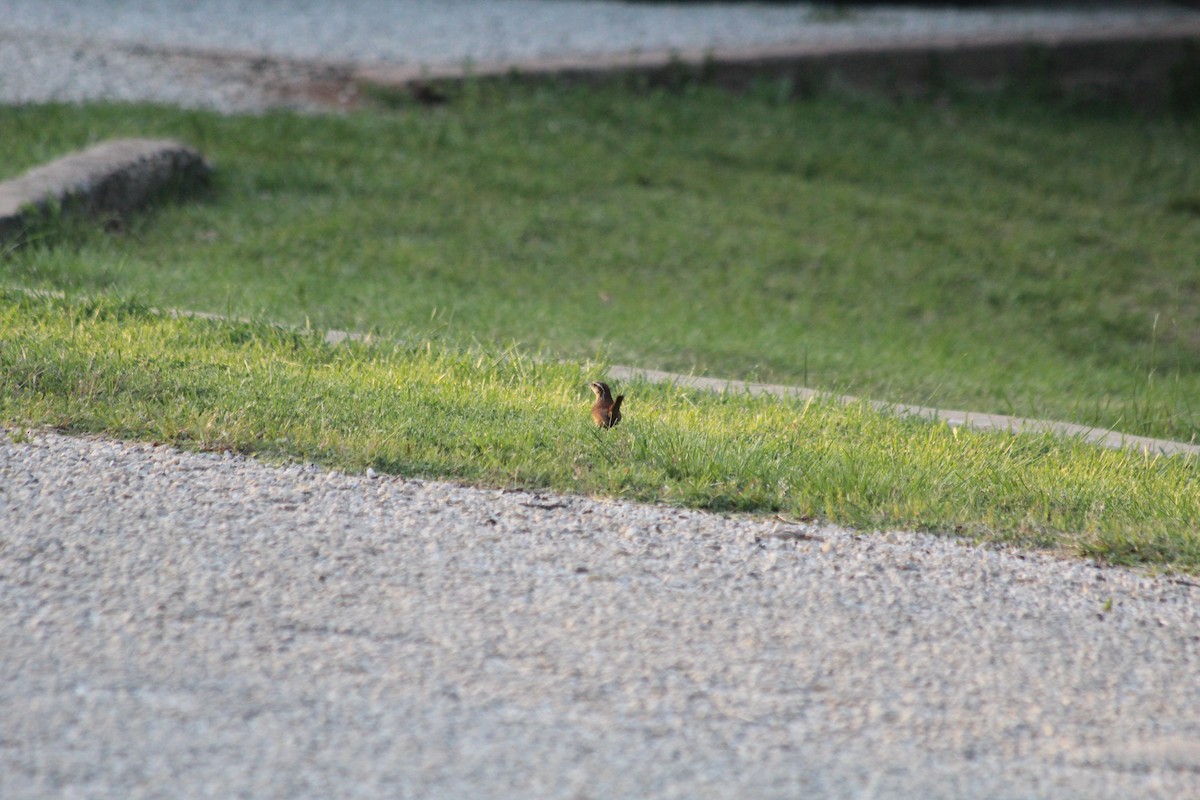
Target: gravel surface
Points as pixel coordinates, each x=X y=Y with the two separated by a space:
x=187 y=625
x=138 y=50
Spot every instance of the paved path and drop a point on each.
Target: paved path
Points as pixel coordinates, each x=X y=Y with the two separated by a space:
x=185 y=625
x=235 y=55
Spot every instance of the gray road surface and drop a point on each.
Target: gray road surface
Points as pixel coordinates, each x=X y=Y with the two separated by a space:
x=181 y=625
x=142 y=50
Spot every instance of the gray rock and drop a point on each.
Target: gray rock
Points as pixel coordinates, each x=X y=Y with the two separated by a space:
x=114 y=177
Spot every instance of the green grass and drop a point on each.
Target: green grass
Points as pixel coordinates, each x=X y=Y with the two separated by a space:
x=984 y=253
x=498 y=417
x=995 y=254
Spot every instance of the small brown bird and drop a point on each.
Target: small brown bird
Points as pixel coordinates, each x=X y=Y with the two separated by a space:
x=606 y=411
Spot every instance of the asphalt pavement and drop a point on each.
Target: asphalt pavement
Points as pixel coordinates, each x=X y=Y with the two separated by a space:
x=196 y=625
x=237 y=56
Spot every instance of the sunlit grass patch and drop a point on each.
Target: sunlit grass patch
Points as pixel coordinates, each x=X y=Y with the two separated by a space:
x=503 y=418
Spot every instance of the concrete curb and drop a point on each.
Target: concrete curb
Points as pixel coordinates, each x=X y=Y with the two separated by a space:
x=1115 y=440
x=1137 y=63
x=117 y=176
x=969 y=419
x=955 y=419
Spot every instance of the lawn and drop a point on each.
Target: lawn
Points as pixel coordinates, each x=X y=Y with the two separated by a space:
x=993 y=253
x=987 y=253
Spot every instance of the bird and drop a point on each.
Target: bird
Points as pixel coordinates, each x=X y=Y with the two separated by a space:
x=606 y=411
x=428 y=94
